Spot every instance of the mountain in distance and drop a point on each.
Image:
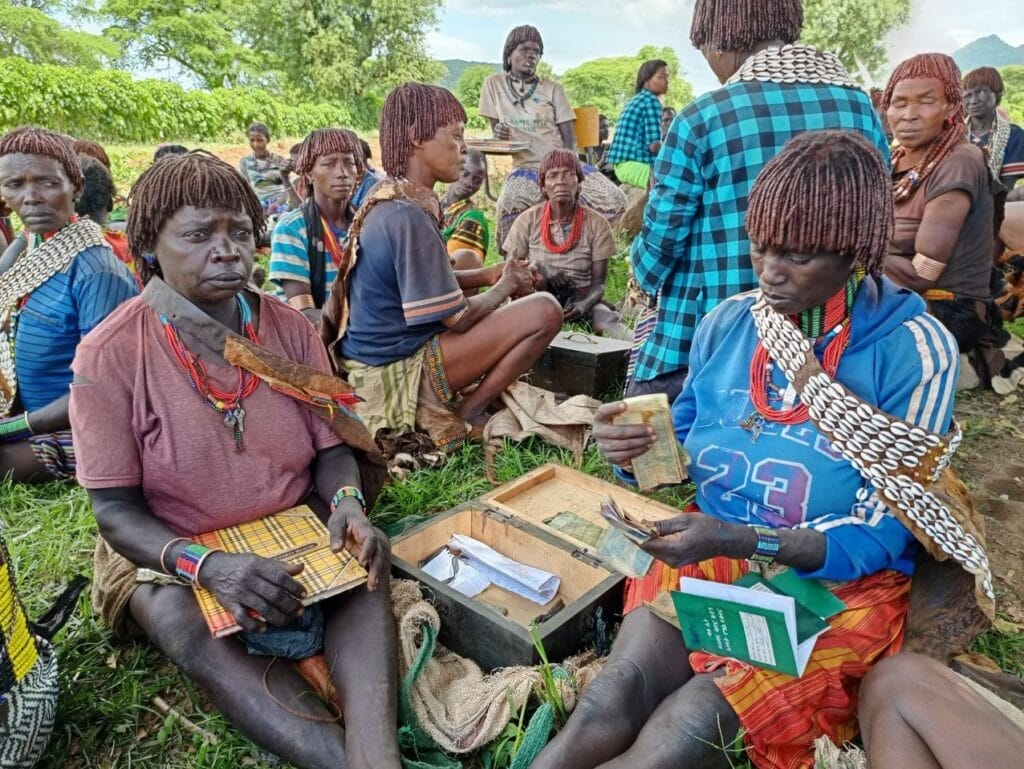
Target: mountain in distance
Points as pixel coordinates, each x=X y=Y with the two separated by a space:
x=455 y=68
x=991 y=51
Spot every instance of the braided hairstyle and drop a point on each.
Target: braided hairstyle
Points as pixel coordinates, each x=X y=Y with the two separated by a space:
x=195 y=178
x=560 y=158
x=985 y=77
x=648 y=70
x=92 y=149
x=518 y=36
x=413 y=112
x=825 y=191
x=739 y=25
x=940 y=67
x=322 y=141
x=33 y=140
x=327 y=141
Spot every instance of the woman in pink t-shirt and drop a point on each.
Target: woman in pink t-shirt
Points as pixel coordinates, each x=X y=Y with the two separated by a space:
x=174 y=441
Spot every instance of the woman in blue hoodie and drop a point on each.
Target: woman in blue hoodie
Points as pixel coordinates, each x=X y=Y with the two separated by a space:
x=772 y=486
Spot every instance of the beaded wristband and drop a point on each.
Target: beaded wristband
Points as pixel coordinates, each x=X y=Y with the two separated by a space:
x=163 y=553
x=348 y=491
x=14 y=429
x=767 y=545
x=187 y=566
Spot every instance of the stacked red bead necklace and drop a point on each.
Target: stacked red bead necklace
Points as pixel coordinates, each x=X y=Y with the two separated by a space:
x=221 y=401
x=571 y=239
x=833 y=317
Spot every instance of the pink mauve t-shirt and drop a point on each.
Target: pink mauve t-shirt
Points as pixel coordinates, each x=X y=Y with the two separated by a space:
x=136 y=421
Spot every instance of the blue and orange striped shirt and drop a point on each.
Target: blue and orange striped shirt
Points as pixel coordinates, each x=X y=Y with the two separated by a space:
x=402 y=286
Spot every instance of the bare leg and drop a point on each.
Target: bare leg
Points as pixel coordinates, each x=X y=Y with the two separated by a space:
x=19 y=462
x=647 y=663
x=607 y=322
x=917 y=714
x=467 y=259
x=691 y=728
x=500 y=348
x=361 y=645
x=234 y=681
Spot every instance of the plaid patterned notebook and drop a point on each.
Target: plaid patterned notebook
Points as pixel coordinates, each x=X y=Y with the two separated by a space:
x=293 y=536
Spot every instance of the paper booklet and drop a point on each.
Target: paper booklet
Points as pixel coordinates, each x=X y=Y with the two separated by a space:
x=665 y=462
x=292 y=536
x=756 y=621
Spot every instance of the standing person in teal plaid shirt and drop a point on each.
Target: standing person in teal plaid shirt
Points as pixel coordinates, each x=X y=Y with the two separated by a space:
x=637 y=136
x=693 y=252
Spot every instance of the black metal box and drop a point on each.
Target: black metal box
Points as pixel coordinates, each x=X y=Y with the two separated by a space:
x=493 y=628
x=582 y=364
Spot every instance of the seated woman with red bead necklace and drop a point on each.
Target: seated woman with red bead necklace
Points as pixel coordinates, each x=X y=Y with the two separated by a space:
x=174 y=441
x=569 y=244
x=776 y=482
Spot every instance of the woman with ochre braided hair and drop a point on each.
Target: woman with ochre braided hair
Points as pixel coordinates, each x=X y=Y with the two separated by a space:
x=309 y=243
x=942 y=244
x=775 y=484
x=175 y=440
x=523 y=106
x=58 y=280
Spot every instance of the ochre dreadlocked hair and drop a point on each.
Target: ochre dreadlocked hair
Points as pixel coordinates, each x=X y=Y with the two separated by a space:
x=92 y=149
x=197 y=179
x=825 y=191
x=738 y=25
x=327 y=141
x=985 y=77
x=940 y=67
x=33 y=140
x=413 y=112
x=518 y=36
x=560 y=158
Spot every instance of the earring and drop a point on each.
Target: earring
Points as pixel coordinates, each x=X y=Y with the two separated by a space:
x=150 y=259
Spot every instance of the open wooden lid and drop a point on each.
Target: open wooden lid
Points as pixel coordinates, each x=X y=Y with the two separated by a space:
x=549 y=490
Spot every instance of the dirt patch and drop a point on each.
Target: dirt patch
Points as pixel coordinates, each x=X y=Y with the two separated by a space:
x=991 y=462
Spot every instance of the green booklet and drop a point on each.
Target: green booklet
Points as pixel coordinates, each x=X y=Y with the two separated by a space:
x=754 y=621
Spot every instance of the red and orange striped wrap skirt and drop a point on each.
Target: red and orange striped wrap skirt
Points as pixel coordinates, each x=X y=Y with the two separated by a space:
x=781 y=715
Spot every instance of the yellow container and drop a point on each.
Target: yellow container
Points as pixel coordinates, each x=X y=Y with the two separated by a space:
x=587 y=127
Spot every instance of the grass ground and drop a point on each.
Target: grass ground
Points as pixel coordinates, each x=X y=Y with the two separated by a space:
x=107 y=717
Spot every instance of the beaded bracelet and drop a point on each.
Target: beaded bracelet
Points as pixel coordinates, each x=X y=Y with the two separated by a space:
x=767 y=545
x=199 y=566
x=15 y=429
x=163 y=553
x=191 y=558
x=348 y=491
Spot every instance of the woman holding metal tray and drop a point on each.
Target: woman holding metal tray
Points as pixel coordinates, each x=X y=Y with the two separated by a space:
x=205 y=404
x=811 y=406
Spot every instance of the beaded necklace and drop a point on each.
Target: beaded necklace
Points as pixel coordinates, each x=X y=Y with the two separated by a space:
x=520 y=99
x=830 y=319
x=221 y=401
x=905 y=186
x=571 y=239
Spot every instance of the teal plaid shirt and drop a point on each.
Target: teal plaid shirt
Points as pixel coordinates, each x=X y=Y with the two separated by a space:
x=638 y=127
x=693 y=251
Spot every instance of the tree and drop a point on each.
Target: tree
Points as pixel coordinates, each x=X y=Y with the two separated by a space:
x=470 y=83
x=346 y=50
x=1013 y=93
x=854 y=30
x=608 y=83
x=26 y=30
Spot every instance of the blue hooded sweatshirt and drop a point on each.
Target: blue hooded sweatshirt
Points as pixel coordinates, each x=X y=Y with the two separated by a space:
x=899 y=359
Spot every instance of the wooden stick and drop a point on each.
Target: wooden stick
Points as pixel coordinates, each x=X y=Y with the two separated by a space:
x=191 y=727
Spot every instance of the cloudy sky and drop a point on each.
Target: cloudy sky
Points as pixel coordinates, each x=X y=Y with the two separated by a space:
x=577 y=30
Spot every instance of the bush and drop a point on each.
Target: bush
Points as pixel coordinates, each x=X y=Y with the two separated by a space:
x=109 y=105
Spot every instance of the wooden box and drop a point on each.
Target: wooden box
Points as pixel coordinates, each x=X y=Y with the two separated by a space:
x=493 y=627
x=582 y=364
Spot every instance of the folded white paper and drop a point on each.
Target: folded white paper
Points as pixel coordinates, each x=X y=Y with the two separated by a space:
x=531 y=583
